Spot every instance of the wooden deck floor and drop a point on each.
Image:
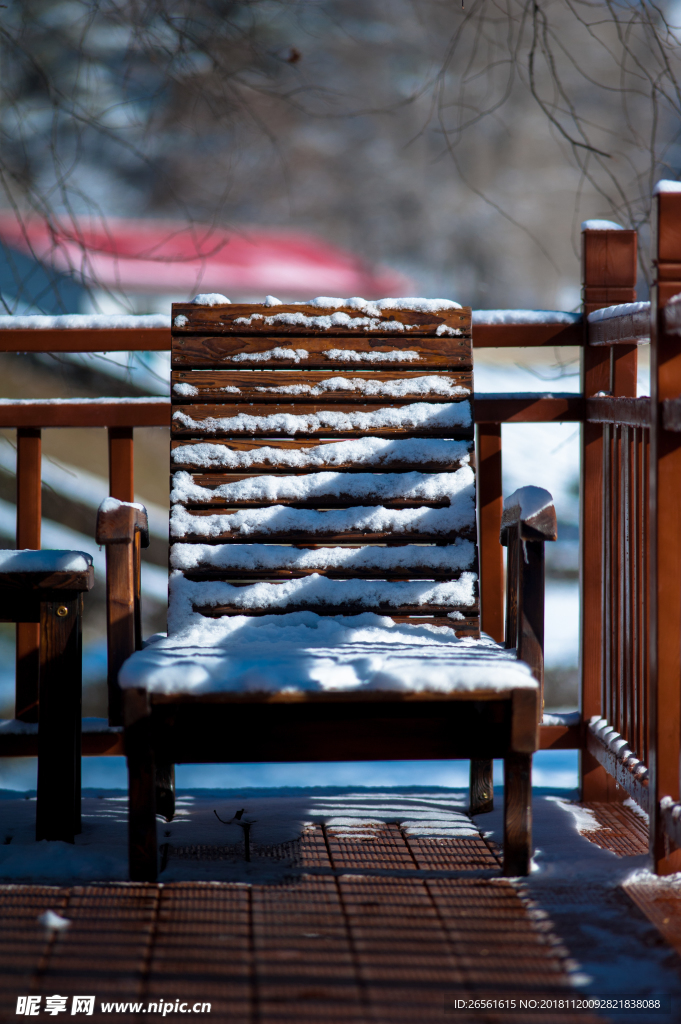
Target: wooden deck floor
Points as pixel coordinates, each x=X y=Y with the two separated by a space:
x=383 y=931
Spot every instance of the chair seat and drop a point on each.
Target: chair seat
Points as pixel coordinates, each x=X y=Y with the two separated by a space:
x=306 y=652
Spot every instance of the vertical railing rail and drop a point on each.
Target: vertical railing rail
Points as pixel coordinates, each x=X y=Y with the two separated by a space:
x=608 y=278
x=27 y=659
x=625 y=627
x=490 y=506
x=665 y=530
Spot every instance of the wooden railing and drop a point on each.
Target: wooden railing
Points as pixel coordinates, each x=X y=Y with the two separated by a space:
x=630 y=574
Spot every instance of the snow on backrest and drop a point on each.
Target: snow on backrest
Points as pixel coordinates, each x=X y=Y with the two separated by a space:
x=322 y=459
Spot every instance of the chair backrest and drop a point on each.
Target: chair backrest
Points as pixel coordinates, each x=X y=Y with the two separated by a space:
x=323 y=460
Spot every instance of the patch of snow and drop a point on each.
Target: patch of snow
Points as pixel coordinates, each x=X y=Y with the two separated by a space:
x=665 y=185
x=293 y=355
x=419 y=415
x=562 y=718
x=375 y=307
x=326 y=323
x=181 y=320
x=210 y=299
x=638 y=811
x=111 y=504
x=44 y=561
x=377 y=452
x=315 y=590
x=281 y=519
x=523 y=316
x=83 y=321
x=303 y=651
x=601 y=225
x=347 y=355
x=584 y=819
x=272 y=300
x=53 y=922
x=374 y=487
x=623 y=309
x=459 y=555
x=385 y=388
x=187 y=390
x=531 y=500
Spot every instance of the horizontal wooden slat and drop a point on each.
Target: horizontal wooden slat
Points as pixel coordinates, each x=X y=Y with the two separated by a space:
x=350 y=490
x=137 y=412
x=434 y=611
x=271 y=353
x=306 y=538
x=260 y=319
x=114 y=339
x=189 y=420
x=526 y=335
x=561 y=737
x=389 y=459
x=321 y=501
x=270 y=386
x=339 y=726
x=527 y=408
x=94 y=744
x=631 y=412
x=628 y=329
x=407 y=561
x=420 y=572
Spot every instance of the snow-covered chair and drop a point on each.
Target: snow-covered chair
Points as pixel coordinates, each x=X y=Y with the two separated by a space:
x=323 y=595
x=48 y=587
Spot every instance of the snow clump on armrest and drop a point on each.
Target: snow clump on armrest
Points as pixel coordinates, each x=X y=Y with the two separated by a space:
x=210 y=299
x=601 y=225
x=28 y=560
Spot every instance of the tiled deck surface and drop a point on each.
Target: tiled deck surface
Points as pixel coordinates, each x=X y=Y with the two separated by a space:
x=378 y=931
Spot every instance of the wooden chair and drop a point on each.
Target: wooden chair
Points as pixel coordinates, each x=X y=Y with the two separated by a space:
x=48 y=587
x=323 y=463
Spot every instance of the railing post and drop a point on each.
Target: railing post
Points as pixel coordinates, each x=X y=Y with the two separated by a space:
x=491 y=553
x=121 y=466
x=664 y=709
x=122 y=486
x=608 y=278
x=29 y=510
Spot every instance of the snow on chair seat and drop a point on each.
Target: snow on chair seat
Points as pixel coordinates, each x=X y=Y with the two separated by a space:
x=323 y=555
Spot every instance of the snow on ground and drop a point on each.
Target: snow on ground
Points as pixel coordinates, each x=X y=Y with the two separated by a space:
x=579 y=885
x=100 y=852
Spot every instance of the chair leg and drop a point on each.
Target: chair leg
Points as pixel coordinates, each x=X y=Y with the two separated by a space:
x=59 y=740
x=165 y=791
x=517 y=814
x=142 y=841
x=482 y=788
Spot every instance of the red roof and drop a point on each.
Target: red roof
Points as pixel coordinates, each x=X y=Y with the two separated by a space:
x=172 y=257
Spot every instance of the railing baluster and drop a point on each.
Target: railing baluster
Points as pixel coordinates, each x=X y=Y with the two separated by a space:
x=606 y=689
x=29 y=512
x=634 y=593
x=491 y=553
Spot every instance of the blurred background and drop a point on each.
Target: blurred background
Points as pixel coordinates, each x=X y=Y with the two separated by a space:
x=151 y=149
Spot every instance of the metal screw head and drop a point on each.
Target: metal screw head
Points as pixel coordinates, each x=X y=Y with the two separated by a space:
x=62 y=610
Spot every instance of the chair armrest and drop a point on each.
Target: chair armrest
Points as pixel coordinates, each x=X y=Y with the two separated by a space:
x=119 y=521
x=122 y=527
x=528 y=520
x=532 y=511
